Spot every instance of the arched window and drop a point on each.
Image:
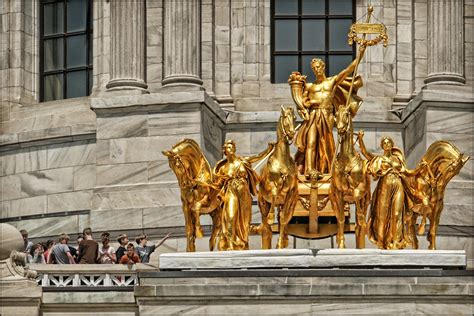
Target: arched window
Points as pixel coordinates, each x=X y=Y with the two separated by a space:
x=65 y=49
x=305 y=29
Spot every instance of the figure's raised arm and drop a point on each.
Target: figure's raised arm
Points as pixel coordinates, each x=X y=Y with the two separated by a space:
x=363 y=149
x=352 y=66
x=419 y=169
x=260 y=156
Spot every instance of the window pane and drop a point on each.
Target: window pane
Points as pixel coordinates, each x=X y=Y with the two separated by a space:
x=340 y=7
x=76 y=51
x=91 y=81
x=53 y=54
x=90 y=49
x=313 y=34
x=284 y=66
x=53 y=19
x=313 y=7
x=286 y=7
x=76 y=15
x=338 y=29
x=306 y=61
x=338 y=63
x=76 y=84
x=286 y=35
x=53 y=87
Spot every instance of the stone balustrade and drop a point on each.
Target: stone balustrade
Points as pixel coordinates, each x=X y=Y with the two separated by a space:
x=90 y=275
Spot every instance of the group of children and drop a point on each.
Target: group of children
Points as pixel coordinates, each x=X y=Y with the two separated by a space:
x=89 y=251
x=128 y=254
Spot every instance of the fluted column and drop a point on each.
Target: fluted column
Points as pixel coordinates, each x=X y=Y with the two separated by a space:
x=127 y=46
x=445 y=42
x=181 y=41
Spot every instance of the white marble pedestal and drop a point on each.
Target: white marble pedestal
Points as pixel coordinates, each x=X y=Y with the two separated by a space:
x=314 y=259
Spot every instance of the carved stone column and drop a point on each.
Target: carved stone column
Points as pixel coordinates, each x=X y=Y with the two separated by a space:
x=445 y=42
x=181 y=41
x=127 y=45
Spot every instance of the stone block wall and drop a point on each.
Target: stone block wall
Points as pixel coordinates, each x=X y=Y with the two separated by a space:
x=97 y=161
x=48 y=166
x=135 y=184
x=235 y=50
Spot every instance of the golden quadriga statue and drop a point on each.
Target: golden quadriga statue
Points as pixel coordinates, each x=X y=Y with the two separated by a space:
x=400 y=197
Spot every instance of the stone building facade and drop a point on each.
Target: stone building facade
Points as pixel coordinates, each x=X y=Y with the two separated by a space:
x=201 y=69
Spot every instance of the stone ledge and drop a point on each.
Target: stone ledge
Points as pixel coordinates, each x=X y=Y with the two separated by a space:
x=125 y=298
x=348 y=288
x=454 y=100
x=157 y=102
x=90 y=268
x=328 y=284
x=313 y=258
x=44 y=137
x=300 y=275
x=366 y=119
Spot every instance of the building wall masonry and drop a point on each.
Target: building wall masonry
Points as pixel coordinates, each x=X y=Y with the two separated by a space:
x=96 y=161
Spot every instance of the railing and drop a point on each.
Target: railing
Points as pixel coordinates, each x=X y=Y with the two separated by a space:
x=88 y=275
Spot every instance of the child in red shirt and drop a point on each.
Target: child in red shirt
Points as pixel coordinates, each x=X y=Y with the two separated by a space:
x=130 y=257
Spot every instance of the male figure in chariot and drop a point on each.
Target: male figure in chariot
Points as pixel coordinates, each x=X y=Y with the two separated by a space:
x=317 y=104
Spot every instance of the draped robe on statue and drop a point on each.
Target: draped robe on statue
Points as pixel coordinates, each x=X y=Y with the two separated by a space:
x=323 y=119
x=239 y=184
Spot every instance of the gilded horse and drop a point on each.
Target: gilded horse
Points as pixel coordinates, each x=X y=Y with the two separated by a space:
x=349 y=177
x=198 y=196
x=279 y=183
x=426 y=190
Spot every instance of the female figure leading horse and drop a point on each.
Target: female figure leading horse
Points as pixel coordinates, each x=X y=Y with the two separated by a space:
x=237 y=182
x=387 y=220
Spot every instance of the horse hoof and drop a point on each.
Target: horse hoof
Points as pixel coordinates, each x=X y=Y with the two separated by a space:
x=282 y=244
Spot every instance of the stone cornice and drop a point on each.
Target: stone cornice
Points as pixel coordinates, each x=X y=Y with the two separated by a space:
x=452 y=97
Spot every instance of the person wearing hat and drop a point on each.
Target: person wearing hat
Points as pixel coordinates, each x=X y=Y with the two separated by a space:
x=123 y=241
x=61 y=251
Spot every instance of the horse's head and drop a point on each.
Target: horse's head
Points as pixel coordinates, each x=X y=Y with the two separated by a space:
x=287 y=123
x=188 y=162
x=344 y=116
x=177 y=164
x=455 y=166
x=343 y=120
x=445 y=161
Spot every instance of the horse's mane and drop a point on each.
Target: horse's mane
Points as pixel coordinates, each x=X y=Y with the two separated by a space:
x=189 y=150
x=441 y=153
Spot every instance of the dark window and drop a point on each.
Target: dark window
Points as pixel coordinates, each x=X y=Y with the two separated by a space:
x=307 y=29
x=65 y=49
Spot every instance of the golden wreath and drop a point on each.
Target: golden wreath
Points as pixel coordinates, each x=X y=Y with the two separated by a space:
x=368 y=29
